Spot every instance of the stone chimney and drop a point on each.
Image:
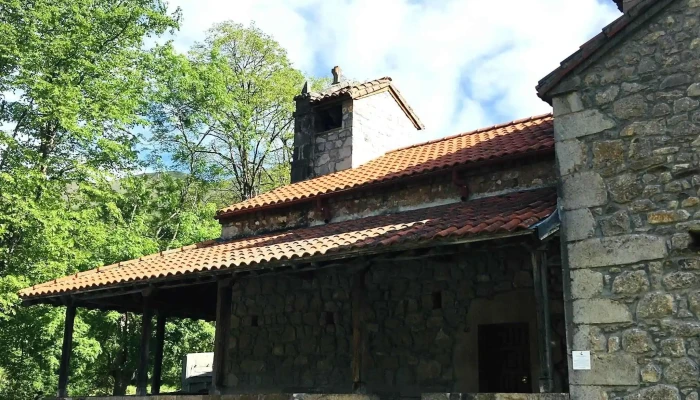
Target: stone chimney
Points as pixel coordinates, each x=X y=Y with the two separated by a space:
x=348 y=124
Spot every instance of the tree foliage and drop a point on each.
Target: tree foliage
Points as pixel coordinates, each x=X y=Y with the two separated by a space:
x=84 y=104
x=225 y=109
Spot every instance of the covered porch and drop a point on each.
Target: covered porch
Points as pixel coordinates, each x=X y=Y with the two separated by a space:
x=404 y=318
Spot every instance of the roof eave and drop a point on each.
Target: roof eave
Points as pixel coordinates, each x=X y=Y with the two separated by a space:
x=426 y=174
x=600 y=44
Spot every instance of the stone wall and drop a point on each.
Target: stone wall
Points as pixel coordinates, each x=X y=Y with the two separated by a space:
x=333 y=149
x=379 y=125
x=628 y=150
x=370 y=127
x=433 y=191
x=294 y=332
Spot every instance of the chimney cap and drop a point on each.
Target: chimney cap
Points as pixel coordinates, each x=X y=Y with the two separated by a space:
x=337 y=73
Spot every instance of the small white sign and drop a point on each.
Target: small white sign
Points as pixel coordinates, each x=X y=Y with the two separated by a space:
x=581 y=359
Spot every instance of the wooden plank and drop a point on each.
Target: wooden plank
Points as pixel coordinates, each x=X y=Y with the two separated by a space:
x=543 y=321
x=358 y=334
x=222 y=333
x=142 y=370
x=66 y=351
x=158 y=358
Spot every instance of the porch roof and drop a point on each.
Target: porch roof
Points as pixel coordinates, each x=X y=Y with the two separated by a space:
x=484 y=218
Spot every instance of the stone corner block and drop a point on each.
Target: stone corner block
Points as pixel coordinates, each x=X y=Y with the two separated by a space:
x=600 y=311
x=580 y=124
x=578 y=224
x=571 y=155
x=616 y=369
x=616 y=250
x=586 y=284
x=582 y=190
x=567 y=104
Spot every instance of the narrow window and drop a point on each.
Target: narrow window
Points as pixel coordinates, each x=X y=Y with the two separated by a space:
x=329 y=118
x=329 y=318
x=254 y=320
x=694 y=239
x=437 y=300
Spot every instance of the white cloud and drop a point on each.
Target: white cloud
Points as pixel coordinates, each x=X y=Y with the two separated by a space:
x=461 y=64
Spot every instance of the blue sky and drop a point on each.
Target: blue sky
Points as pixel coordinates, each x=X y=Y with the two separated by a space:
x=461 y=64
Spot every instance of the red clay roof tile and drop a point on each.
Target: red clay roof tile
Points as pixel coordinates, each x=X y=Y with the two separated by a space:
x=515 y=138
x=495 y=215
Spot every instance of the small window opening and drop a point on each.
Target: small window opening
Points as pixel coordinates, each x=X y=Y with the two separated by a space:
x=329 y=318
x=254 y=320
x=329 y=118
x=437 y=300
x=694 y=239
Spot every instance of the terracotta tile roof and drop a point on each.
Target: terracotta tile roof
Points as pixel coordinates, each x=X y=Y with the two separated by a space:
x=639 y=13
x=489 y=216
x=355 y=90
x=519 y=137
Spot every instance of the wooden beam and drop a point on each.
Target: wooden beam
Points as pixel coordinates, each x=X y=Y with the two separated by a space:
x=158 y=359
x=222 y=333
x=66 y=351
x=544 y=326
x=358 y=330
x=142 y=370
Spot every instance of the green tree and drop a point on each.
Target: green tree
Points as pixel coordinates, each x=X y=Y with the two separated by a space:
x=72 y=77
x=226 y=109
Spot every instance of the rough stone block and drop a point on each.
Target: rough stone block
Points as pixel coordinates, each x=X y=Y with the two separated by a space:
x=694 y=90
x=631 y=282
x=617 y=250
x=578 y=224
x=580 y=124
x=655 y=305
x=586 y=284
x=658 y=392
x=567 y=104
x=683 y=372
x=571 y=154
x=588 y=392
x=634 y=106
x=589 y=337
x=617 y=369
x=643 y=128
x=581 y=190
x=637 y=341
x=624 y=188
x=600 y=311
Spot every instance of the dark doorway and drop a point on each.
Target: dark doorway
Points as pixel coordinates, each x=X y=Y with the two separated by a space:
x=504 y=358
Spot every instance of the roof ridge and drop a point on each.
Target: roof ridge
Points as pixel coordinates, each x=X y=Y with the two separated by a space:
x=480 y=130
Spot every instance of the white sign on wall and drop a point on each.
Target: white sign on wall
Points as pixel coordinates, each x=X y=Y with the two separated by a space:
x=581 y=359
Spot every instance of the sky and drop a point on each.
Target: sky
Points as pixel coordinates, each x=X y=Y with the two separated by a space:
x=461 y=64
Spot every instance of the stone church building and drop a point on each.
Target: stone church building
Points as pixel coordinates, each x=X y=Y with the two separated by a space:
x=556 y=256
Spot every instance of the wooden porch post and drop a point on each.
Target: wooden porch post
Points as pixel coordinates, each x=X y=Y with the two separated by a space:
x=222 y=333
x=358 y=335
x=142 y=371
x=544 y=325
x=158 y=361
x=66 y=350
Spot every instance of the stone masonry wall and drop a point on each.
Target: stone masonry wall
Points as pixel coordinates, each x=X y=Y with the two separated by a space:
x=293 y=333
x=379 y=125
x=333 y=150
x=416 y=194
x=628 y=150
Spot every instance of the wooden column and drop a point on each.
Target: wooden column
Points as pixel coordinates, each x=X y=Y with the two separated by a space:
x=358 y=330
x=158 y=360
x=142 y=371
x=222 y=334
x=544 y=325
x=66 y=351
